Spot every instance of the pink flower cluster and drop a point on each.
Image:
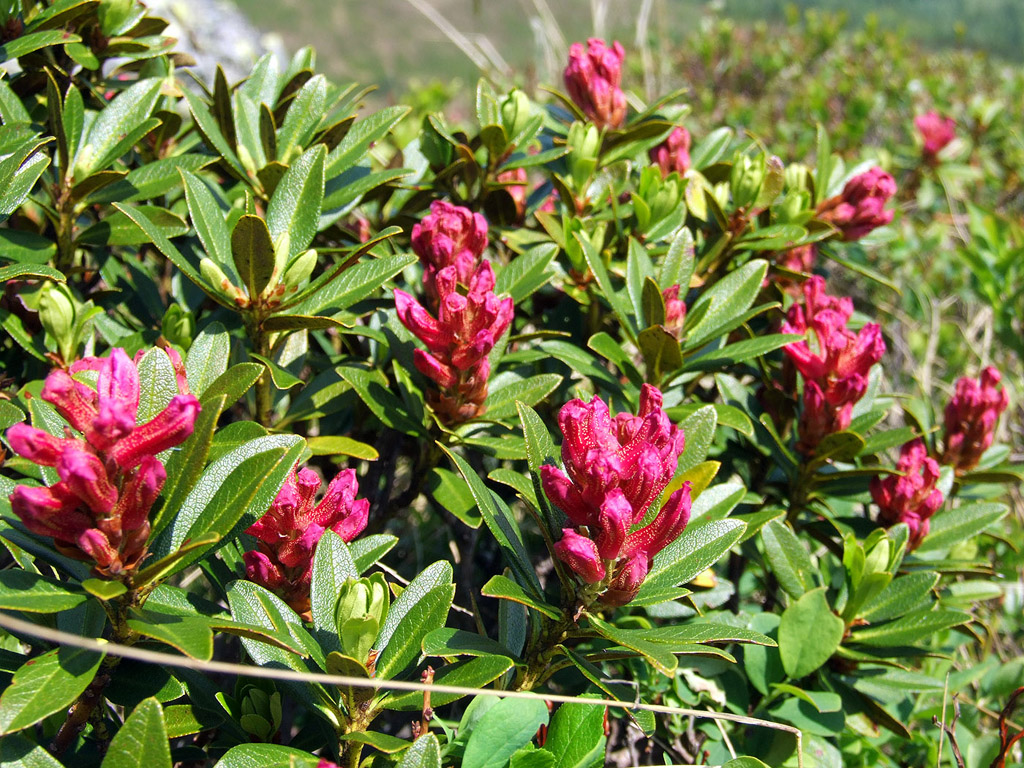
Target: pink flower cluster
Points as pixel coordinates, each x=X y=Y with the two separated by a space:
x=912 y=497
x=449 y=236
x=860 y=208
x=615 y=469
x=936 y=131
x=110 y=475
x=470 y=317
x=290 y=530
x=592 y=78
x=971 y=418
x=673 y=154
x=836 y=373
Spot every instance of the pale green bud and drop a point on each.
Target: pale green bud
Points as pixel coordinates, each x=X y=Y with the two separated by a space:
x=300 y=269
x=362 y=607
x=178 y=326
x=57 y=312
x=585 y=145
x=220 y=283
x=515 y=112
x=746 y=179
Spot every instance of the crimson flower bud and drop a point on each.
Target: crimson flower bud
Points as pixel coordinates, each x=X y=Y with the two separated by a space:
x=911 y=498
x=673 y=154
x=860 y=208
x=592 y=78
x=936 y=131
x=971 y=418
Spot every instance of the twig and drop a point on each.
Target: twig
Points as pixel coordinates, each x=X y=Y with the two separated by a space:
x=950 y=731
x=20 y=626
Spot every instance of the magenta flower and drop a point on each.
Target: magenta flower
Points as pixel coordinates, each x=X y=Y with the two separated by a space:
x=592 y=78
x=911 y=498
x=615 y=469
x=109 y=477
x=673 y=154
x=860 y=208
x=835 y=373
x=936 y=131
x=290 y=530
x=971 y=417
x=458 y=341
x=675 y=311
x=449 y=236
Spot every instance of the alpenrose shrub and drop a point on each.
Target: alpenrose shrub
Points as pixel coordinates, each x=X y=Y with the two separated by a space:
x=339 y=349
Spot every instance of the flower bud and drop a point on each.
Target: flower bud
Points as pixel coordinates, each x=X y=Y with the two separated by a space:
x=57 y=315
x=178 y=326
x=220 y=283
x=592 y=78
x=515 y=112
x=585 y=145
x=300 y=269
x=746 y=179
x=362 y=607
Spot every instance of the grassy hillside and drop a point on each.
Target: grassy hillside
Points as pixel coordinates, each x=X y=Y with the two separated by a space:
x=389 y=42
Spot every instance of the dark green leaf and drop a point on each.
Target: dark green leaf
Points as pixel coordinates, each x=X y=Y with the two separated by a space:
x=46 y=684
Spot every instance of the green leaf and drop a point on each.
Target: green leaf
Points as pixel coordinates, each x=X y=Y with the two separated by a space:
x=211 y=134
x=745 y=762
x=576 y=736
x=727 y=299
x=425 y=752
x=104 y=590
x=384 y=405
x=618 y=303
x=434 y=581
x=282 y=378
x=27 y=248
x=473 y=673
x=689 y=555
x=190 y=635
x=209 y=221
x=342 y=287
x=26 y=44
x=232 y=493
x=26 y=591
x=207 y=358
x=233 y=383
x=120 y=228
x=30 y=270
x=142 y=740
x=506 y=390
x=458 y=642
x=526 y=273
x=167 y=248
x=660 y=350
x=294 y=210
x=421 y=615
x=540 y=450
x=503 y=729
x=149 y=181
x=252 y=250
x=501 y=524
x=359 y=138
x=335 y=445
x=267 y=756
x=809 y=634
x=961 y=524
x=740 y=351
x=910 y=628
x=18 y=752
x=332 y=567
x=305 y=113
x=158 y=384
x=367 y=550
x=382 y=742
x=452 y=492
x=105 y=141
x=699 y=428
x=504 y=588
x=788 y=559
x=300 y=322
x=900 y=597
x=46 y=684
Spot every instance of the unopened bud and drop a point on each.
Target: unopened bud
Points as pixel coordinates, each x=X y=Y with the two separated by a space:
x=585 y=144
x=300 y=269
x=178 y=326
x=746 y=179
x=57 y=312
x=515 y=112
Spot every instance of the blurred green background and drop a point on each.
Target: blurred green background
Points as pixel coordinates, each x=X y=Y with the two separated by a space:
x=390 y=42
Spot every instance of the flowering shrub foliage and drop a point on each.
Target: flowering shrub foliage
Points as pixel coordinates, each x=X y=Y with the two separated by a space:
x=221 y=300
